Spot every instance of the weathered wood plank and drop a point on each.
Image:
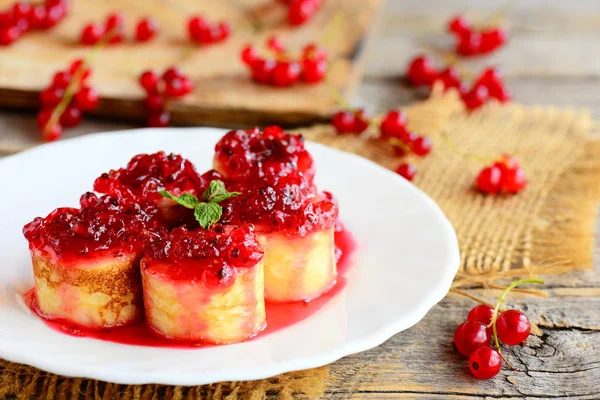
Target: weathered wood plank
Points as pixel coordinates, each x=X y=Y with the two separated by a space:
x=565 y=361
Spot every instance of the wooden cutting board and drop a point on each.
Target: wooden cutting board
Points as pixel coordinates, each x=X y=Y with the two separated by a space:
x=224 y=94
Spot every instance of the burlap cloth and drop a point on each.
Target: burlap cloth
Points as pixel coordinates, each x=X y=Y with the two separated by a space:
x=549 y=223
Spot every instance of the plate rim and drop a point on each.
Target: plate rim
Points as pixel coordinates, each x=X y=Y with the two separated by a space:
x=438 y=291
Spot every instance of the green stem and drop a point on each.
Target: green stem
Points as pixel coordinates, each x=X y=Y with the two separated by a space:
x=501 y=301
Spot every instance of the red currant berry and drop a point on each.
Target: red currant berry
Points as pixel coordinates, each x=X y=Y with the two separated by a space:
x=407 y=171
x=421 y=71
x=50 y=134
x=485 y=363
x=51 y=97
x=512 y=327
x=343 y=122
x=285 y=73
x=450 y=78
x=71 y=117
x=197 y=28
x=275 y=44
x=482 y=314
x=146 y=29
x=114 y=20
x=37 y=16
x=300 y=11
x=9 y=35
x=224 y=30
x=469 y=336
x=21 y=9
x=361 y=123
x=23 y=25
x=54 y=14
x=158 y=119
x=313 y=71
x=492 y=40
x=43 y=117
x=61 y=79
x=393 y=125
x=178 y=87
x=249 y=55
x=475 y=97
x=459 y=25
x=262 y=70
x=172 y=73
x=421 y=146
x=469 y=43
x=92 y=34
x=155 y=102
x=76 y=65
x=514 y=181
x=149 y=81
x=489 y=180
x=87 y=98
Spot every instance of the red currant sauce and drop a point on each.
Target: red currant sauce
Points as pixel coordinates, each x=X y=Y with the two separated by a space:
x=279 y=315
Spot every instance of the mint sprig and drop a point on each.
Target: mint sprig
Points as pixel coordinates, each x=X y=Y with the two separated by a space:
x=206 y=212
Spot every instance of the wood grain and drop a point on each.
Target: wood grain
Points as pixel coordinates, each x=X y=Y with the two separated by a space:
x=224 y=94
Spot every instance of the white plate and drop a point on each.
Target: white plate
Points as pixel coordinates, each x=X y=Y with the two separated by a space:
x=405 y=262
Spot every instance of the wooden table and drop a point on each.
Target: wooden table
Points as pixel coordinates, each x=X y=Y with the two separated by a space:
x=551 y=59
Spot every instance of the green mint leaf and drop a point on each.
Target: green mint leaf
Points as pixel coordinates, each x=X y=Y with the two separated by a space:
x=216 y=192
x=186 y=199
x=207 y=214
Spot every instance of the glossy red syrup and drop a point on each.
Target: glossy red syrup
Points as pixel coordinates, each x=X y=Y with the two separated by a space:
x=279 y=315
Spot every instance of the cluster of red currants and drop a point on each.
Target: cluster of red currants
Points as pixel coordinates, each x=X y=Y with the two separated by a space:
x=470 y=42
x=505 y=175
x=159 y=89
x=488 y=85
x=65 y=100
x=473 y=338
x=392 y=130
x=204 y=32
x=23 y=17
x=284 y=71
x=113 y=30
x=300 y=11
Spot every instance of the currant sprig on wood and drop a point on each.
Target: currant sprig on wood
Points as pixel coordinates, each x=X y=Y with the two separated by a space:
x=278 y=67
x=473 y=338
x=23 y=17
x=160 y=91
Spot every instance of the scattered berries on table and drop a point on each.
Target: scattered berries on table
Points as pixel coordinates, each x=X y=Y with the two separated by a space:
x=160 y=89
x=65 y=100
x=407 y=171
x=23 y=16
x=486 y=324
x=112 y=30
x=470 y=42
x=301 y=11
x=505 y=175
x=146 y=29
x=280 y=69
x=205 y=32
x=356 y=121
